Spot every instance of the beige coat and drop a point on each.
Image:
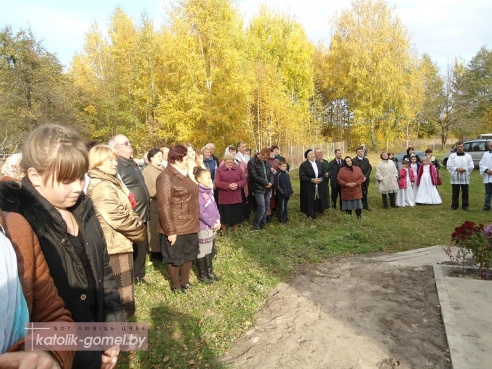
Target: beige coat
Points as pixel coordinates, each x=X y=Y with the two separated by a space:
x=121 y=225
x=387 y=177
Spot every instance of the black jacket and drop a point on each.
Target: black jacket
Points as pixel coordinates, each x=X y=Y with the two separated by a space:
x=334 y=168
x=259 y=176
x=283 y=186
x=308 y=188
x=133 y=179
x=64 y=263
x=66 y=267
x=364 y=166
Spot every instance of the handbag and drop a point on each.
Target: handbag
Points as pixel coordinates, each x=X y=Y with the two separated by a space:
x=439 y=179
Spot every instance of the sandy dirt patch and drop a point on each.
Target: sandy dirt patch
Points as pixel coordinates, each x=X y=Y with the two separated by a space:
x=348 y=313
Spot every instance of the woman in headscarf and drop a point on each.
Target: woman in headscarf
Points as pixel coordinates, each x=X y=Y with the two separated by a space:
x=311 y=174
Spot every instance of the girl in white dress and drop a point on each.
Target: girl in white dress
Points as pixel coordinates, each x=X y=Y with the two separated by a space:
x=415 y=166
x=405 y=196
x=427 y=182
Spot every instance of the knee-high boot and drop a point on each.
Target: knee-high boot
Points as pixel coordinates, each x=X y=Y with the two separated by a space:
x=385 y=200
x=393 y=200
x=201 y=266
x=210 y=268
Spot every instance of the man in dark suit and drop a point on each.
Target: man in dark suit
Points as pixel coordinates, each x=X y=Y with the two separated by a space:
x=336 y=189
x=324 y=186
x=133 y=179
x=363 y=163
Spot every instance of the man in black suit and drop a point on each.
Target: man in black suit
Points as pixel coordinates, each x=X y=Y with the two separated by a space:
x=133 y=179
x=336 y=189
x=363 y=163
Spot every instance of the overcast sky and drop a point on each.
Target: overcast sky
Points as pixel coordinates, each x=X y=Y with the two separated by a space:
x=444 y=29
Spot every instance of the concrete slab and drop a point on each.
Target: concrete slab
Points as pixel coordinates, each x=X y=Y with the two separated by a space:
x=465 y=305
x=418 y=257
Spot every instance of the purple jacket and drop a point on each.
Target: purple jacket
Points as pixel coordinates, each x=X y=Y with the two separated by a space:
x=209 y=214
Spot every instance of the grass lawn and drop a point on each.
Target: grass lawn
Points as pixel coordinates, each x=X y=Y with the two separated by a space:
x=193 y=330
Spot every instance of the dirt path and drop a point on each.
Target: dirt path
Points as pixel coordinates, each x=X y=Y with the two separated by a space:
x=348 y=313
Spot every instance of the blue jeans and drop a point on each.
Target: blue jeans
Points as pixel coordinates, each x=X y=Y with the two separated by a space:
x=262 y=204
x=282 y=203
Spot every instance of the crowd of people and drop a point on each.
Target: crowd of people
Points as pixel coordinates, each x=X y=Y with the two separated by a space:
x=90 y=214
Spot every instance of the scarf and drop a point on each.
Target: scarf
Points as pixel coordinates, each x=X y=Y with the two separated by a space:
x=14 y=314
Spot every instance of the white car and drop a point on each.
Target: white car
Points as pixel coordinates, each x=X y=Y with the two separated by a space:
x=475 y=148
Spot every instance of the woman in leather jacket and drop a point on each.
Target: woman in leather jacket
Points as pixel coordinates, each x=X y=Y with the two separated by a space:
x=177 y=201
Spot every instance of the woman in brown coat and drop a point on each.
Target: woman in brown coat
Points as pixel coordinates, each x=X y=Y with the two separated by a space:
x=350 y=178
x=39 y=291
x=177 y=202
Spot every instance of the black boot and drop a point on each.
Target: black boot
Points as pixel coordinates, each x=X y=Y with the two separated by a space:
x=201 y=266
x=393 y=200
x=358 y=212
x=385 y=201
x=210 y=268
x=155 y=257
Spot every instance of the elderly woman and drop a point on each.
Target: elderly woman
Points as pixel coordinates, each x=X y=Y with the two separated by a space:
x=150 y=174
x=311 y=174
x=230 y=179
x=121 y=225
x=177 y=203
x=387 y=180
x=351 y=178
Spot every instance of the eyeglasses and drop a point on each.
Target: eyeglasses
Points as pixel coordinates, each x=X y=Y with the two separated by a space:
x=126 y=143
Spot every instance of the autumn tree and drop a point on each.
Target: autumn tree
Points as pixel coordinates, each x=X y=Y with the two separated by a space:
x=281 y=57
x=473 y=95
x=117 y=73
x=372 y=69
x=33 y=87
x=206 y=90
